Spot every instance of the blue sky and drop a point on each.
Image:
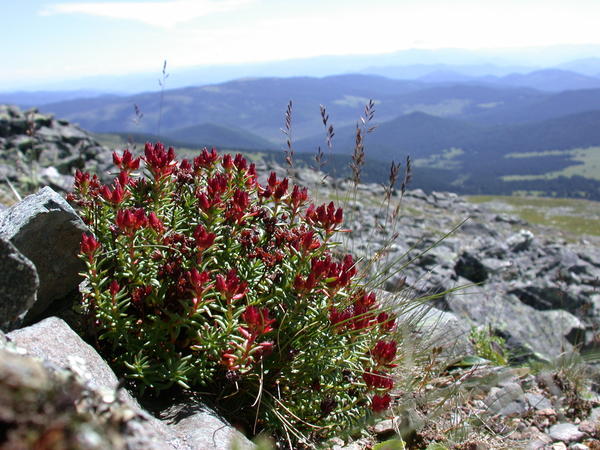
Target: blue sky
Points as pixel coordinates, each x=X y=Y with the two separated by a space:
x=58 y=39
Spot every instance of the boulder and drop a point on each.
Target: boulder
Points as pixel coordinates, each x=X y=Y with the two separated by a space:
x=54 y=341
x=565 y=432
x=545 y=295
x=42 y=408
x=46 y=230
x=470 y=267
x=520 y=241
x=202 y=428
x=535 y=332
x=198 y=428
x=18 y=285
x=508 y=400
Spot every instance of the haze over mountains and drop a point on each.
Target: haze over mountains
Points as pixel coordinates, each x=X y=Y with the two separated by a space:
x=475 y=127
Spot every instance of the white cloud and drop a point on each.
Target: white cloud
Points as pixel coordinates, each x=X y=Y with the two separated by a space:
x=160 y=14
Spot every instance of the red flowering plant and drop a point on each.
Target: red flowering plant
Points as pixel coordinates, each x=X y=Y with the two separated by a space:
x=200 y=276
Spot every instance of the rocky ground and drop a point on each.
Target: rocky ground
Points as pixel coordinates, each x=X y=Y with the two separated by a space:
x=504 y=267
x=528 y=285
x=39 y=150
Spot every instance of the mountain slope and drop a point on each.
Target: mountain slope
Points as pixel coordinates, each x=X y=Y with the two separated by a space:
x=257 y=105
x=210 y=134
x=542 y=108
x=26 y=99
x=554 y=80
x=417 y=134
x=422 y=135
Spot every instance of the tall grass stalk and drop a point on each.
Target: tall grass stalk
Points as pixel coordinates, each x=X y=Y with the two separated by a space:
x=162 y=83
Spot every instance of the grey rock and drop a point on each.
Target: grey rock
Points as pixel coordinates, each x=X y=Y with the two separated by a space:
x=565 y=432
x=385 y=428
x=537 y=401
x=495 y=265
x=361 y=444
x=537 y=444
x=578 y=446
x=542 y=332
x=202 y=428
x=511 y=220
x=478 y=229
x=58 y=345
x=46 y=230
x=416 y=193
x=447 y=331
x=544 y=295
x=18 y=285
x=42 y=405
x=506 y=401
x=470 y=267
x=441 y=328
x=520 y=241
x=54 y=341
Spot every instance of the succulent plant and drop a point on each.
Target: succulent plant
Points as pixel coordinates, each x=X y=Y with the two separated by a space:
x=200 y=276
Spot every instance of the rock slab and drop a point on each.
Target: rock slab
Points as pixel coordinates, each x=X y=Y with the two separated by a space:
x=18 y=285
x=47 y=231
x=200 y=428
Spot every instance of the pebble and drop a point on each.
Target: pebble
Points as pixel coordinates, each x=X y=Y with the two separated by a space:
x=565 y=432
x=385 y=427
x=578 y=446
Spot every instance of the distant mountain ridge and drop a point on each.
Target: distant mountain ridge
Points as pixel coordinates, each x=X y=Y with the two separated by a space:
x=213 y=135
x=257 y=105
x=28 y=99
x=458 y=133
x=421 y=135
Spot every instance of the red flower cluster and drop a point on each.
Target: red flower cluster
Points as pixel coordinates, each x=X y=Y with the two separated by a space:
x=378 y=380
x=231 y=287
x=216 y=214
x=89 y=246
x=304 y=241
x=138 y=297
x=258 y=324
x=126 y=162
x=325 y=217
x=206 y=160
x=227 y=162
x=297 y=199
x=237 y=206
x=319 y=269
x=384 y=353
x=335 y=275
x=257 y=320
x=84 y=182
x=386 y=321
x=203 y=238
x=155 y=223
x=380 y=403
x=275 y=188
x=131 y=220
x=160 y=163
x=199 y=282
x=358 y=316
x=115 y=196
x=114 y=288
